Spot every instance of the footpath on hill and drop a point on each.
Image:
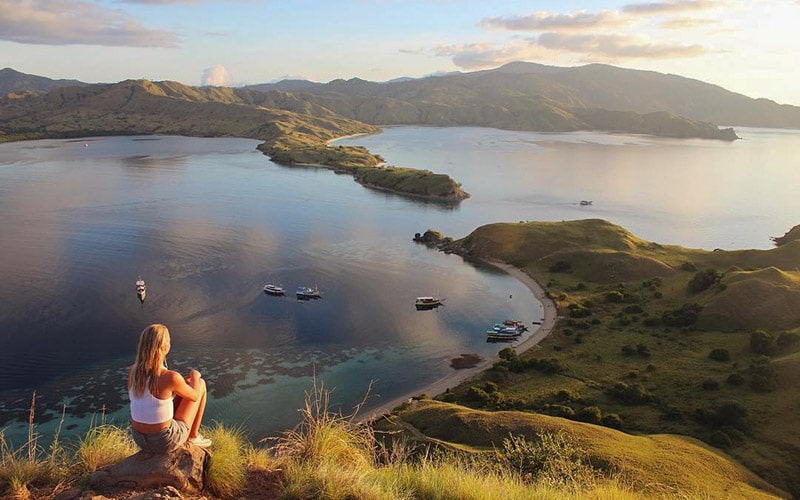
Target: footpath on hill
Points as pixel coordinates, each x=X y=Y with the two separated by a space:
x=458 y=376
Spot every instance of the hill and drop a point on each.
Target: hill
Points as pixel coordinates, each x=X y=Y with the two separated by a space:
x=650 y=464
x=295 y=130
x=12 y=81
x=524 y=96
x=655 y=339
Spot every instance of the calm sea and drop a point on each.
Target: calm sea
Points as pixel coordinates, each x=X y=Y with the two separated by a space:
x=207 y=222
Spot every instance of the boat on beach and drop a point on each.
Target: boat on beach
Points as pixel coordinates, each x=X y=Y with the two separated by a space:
x=141 y=289
x=427 y=302
x=271 y=289
x=307 y=293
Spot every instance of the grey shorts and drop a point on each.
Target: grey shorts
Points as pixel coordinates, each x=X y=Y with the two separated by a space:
x=165 y=441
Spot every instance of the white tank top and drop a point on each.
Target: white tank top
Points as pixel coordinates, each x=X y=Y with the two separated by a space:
x=149 y=409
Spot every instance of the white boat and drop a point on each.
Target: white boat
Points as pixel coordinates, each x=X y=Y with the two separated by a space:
x=141 y=288
x=428 y=302
x=274 y=289
x=306 y=292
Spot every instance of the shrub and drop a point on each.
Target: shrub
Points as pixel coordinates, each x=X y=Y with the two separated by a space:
x=720 y=440
x=612 y=420
x=735 y=379
x=614 y=296
x=764 y=377
x=643 y=350
x=590 y=414
x=566 y=395
x=628 y=350
x=630 y=394
x=553 y=458
x=508 y=353
x=719 y=355
x=762 y=342
x=685 y=316
x=702 y=280
x=652 y=321
x=710 y=385
x=689 y=267
x=579 y=311
x=560 y=411
x=633 y=309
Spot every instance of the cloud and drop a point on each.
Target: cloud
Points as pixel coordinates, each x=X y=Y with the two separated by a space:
x=485 y=55
x=590 y=48
x=686 y=23
x=76 y=22
x=615 y=47
x=669 y=7
x=543 y=21
x=216 y=76
x=169 y=2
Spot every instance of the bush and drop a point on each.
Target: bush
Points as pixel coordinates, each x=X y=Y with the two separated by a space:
x=719 y=355
x=612 y=420
x=762 y=342
x=687 y=315
x=643 y=350
x=703 y=280
x=614 y=296
x=735 y=379
x=720 y=440
x=566 y=395
x=633 y=309
x=630 y=394
x=710 y=385
x=560 y=411
x=579 y=311
x=764 y=377
x=590 y=414
x=689 y=267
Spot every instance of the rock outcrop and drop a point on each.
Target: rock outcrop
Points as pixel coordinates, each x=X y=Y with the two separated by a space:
x=182 y=469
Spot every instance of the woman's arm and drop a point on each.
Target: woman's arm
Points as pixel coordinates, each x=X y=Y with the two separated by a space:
x=181 y=387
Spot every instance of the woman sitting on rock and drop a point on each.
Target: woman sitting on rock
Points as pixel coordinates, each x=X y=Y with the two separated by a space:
x=166 y=408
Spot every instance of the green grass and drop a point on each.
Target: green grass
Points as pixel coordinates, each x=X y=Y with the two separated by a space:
x=759 y=289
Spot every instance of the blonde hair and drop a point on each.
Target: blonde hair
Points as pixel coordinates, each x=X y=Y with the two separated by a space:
x=150 y=357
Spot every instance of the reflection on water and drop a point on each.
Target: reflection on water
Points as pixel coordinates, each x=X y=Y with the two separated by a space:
x=207 y=222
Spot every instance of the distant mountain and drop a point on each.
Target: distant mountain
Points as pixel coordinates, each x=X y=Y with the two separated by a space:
x=16 y=82
x=145 y=107
x=532 y=96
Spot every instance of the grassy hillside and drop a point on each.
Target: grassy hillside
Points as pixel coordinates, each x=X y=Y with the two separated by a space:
x=294 y=130
x=656 y=339
x=650 y=464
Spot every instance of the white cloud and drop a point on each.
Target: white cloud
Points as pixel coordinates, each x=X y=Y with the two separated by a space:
x=545 y=21
x=76 y=22
x=669 y=6
x=216 y=76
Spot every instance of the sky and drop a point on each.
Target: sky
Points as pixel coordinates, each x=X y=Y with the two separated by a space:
x=746 y=46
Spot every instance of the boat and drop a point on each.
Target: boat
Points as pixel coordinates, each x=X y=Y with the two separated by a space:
x=586 y=202
x=507 y=332
x=306 y=293
x=141 y=289
x=500 y=337
x=428 y=302
x=271 y=289
x=509 y=327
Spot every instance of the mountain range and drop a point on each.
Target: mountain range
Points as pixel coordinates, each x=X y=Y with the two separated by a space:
x=517 y=96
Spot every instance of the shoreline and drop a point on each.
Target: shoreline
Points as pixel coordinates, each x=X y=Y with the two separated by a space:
x=458 y=376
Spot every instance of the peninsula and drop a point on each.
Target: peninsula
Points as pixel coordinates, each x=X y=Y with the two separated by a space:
x=652 y=339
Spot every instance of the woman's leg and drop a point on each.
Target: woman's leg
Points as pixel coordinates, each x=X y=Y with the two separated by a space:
x=191 y=412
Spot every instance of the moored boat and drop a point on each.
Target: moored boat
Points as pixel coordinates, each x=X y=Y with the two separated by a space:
x=274 y=289
x=306 y=292
x=428 y=302
x=141 y=288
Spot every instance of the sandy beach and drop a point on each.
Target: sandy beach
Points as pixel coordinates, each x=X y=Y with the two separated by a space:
x=459 y=376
